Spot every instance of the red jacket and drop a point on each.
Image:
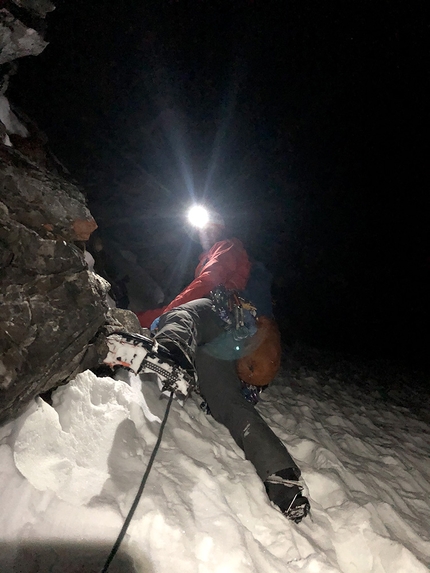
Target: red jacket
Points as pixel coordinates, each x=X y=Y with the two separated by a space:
x=226 y=263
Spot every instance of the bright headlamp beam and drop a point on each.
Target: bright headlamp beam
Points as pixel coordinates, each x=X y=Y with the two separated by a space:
x=198 y=216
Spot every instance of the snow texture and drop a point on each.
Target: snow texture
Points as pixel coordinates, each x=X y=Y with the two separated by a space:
x=10 y=121
x=70 y=471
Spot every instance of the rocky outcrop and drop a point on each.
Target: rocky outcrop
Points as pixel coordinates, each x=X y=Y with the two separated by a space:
x=54 y=310
x=16 y=38
x=22 y=24
x=45 y=203
x=51 y=304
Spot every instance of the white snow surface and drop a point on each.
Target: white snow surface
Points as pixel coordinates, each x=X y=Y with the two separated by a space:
x=69 y=473
x=10 y=121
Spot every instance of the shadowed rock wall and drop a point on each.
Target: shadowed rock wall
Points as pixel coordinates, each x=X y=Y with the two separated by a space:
x=51 y=304
x=54 y=314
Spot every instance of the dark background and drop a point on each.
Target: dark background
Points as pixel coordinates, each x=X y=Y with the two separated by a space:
x=304 y=123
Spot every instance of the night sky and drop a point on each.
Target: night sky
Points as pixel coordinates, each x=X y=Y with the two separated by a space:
x=305 y=123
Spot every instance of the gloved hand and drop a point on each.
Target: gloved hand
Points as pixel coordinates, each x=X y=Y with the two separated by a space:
x=154 y=325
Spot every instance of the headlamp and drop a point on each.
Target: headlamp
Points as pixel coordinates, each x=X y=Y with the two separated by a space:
x=198 y=216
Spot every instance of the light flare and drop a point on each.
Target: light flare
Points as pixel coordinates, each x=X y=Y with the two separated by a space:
x=198 y=216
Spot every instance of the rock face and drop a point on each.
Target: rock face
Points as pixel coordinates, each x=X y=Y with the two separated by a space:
x=17 y=38
x=45 y=203
x=51 y=304
x=54 y=314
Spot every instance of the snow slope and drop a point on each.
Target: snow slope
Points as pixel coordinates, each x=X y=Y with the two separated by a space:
x=69 y=473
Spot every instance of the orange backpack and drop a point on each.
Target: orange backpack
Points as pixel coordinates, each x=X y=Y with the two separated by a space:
x=263 y=358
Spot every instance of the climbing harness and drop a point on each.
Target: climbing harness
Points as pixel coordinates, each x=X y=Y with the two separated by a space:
x=237 y=313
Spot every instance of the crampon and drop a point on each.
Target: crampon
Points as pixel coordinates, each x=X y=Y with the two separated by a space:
x=142 y=354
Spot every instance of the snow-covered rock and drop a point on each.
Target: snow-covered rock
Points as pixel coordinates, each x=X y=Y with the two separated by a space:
x=10 y=121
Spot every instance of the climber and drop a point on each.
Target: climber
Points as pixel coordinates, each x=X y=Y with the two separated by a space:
x=224 y=261
x=189 y=328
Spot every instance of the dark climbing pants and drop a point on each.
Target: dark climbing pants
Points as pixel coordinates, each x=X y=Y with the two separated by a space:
x=193 y=325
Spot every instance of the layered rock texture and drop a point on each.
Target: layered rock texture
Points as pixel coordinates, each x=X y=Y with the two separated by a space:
x=54 y=313
x=51 y=304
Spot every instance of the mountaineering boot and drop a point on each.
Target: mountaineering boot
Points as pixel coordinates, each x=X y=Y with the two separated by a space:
x=139 y=353
x=178 y=351
x=284 y=490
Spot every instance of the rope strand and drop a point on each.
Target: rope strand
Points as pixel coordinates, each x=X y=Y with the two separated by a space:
x=135 y=503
